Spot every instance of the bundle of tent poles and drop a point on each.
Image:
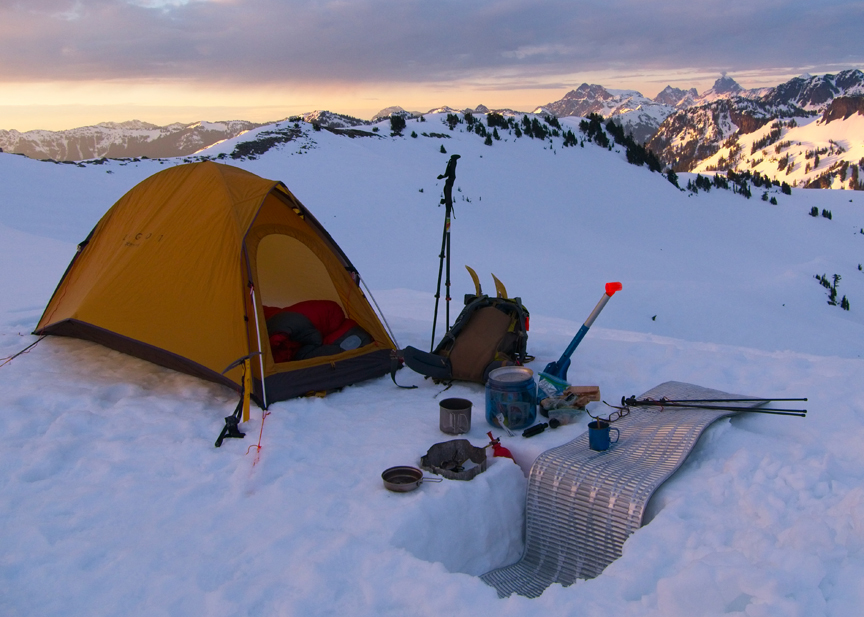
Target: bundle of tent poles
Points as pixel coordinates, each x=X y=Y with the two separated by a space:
x=717 y=404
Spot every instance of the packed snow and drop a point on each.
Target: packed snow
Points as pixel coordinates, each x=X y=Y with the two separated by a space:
x=115 y=501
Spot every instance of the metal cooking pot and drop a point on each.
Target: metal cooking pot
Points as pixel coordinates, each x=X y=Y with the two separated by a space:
x=403 y=479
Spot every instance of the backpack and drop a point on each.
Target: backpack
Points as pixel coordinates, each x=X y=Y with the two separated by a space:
x=489 y=333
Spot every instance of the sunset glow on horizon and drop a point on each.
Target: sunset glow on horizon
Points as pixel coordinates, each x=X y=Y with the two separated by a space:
x=71 y=63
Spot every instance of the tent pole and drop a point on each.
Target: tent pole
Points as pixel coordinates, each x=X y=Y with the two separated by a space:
x=260 y=351
x=380 y=312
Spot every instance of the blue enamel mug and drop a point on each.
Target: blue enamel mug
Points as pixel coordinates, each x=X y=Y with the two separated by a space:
x=599 y=437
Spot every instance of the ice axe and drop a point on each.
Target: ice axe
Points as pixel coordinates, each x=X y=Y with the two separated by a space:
x=559 y=369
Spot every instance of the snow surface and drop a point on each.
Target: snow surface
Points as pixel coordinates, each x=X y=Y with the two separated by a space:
x=115 y=501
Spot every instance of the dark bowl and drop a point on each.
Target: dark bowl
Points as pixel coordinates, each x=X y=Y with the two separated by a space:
x=402 y=479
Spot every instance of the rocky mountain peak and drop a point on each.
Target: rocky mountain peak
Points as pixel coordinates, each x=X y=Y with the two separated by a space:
x=726 y=85
x=816 y=92
x=588 y=92
x=673 y=96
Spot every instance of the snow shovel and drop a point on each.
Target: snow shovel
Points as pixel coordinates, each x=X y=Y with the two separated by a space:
x=558 y=370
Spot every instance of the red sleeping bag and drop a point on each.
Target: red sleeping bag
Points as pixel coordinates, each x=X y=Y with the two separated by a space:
x=325 y=315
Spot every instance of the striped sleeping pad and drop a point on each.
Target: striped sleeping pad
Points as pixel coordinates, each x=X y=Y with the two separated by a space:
x=582 y=505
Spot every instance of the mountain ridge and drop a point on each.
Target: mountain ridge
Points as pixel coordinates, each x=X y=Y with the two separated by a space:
x=132 y=138
x=721 y=129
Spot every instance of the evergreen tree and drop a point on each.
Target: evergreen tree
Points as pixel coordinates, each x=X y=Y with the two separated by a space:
x=653 y=162
x=443 y=151
x=488 y=141
x=672 y=177
x=538 y=129
x=493 y=119
x=616 y=131
x=593 y=129
x=552 y=121
x=397 y=124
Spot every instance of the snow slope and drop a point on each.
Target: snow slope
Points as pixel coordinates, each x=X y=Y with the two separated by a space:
x=790 y=157
x=116 y=503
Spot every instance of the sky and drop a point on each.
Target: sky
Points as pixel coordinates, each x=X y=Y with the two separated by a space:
x=67 y=63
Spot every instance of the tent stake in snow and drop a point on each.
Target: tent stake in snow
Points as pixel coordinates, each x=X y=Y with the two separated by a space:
x=559 y=369
x=450 y=176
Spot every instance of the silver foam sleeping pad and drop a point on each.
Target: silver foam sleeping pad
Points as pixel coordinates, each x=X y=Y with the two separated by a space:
x=582 y=505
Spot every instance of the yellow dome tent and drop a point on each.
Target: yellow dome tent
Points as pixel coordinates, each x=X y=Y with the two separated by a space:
x=178 y=271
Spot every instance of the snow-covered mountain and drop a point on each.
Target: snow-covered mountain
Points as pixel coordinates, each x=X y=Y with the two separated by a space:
x=675 y=97
x=728 y=127
x=121 y=140
x=639 y=115
x=691 y=135
x=823 y=151
x=389 y=111
x=685 y=129
x=329 y=119
x=724 y=88
x=813 y=93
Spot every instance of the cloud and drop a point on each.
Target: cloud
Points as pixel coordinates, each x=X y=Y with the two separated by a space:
x=376 y=41
x=527 y=51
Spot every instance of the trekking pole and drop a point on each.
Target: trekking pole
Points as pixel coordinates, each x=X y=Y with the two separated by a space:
x=559 y=369
x=633 y=401
x=781 y=412
x=450 y=176
x=703 y=404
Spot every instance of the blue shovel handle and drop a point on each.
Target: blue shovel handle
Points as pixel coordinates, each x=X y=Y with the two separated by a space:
x=559 y=369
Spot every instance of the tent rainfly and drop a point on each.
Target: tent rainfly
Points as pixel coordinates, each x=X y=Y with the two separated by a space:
x=185 y=268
